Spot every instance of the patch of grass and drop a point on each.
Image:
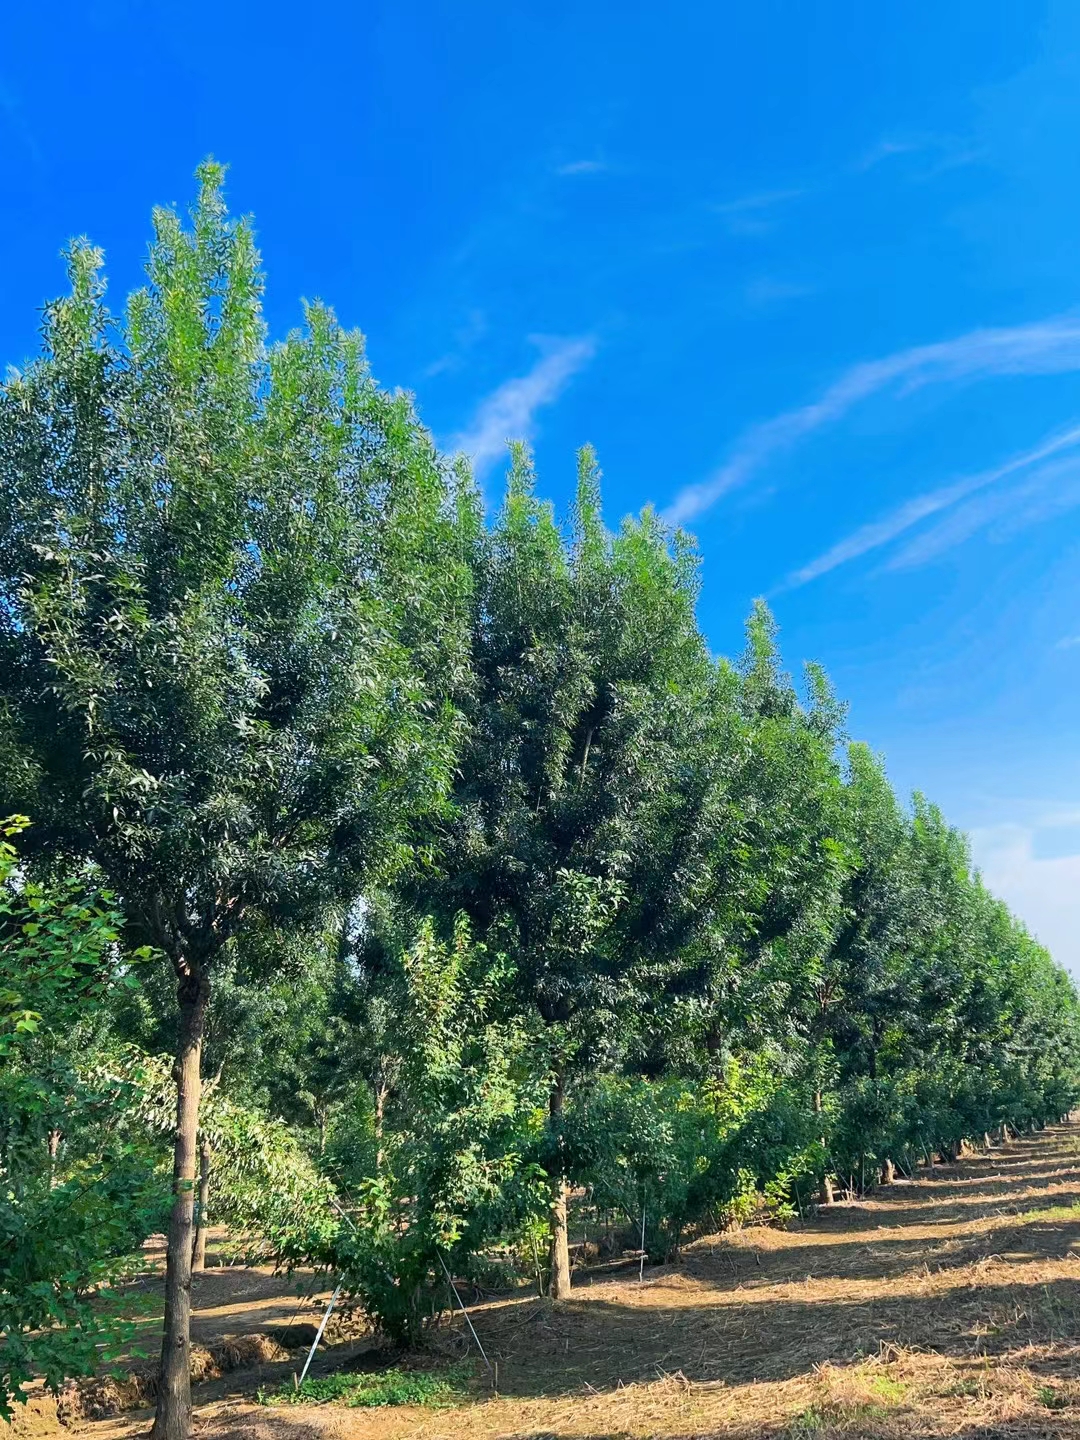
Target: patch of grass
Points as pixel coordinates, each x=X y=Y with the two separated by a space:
x=818 y=1421
x=1054 y=1398
x=891 y=1391
x=1050 y=1212
x=808 y=1424
x=371 y=1389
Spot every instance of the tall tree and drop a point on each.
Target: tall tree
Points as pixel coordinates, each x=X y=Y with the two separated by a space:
x=588 y=671
x=229 y=601
x=770 y=817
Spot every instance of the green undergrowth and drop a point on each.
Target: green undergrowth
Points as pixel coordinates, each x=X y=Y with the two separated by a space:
x=1050 y=1212
x=371 y=1389
x=832 y=1418
x=1058 y=1397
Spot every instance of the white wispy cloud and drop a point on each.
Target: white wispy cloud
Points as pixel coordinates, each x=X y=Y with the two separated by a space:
x=758 y=212
x=1049 y=490
x=754 y=214
x=768 y=290
x=1044 y=347
x=509 y=412
x=1045 y=893
x=886 y=148
x=941 y=152
x=581 y=167
x=879 y=533
x=758 y=200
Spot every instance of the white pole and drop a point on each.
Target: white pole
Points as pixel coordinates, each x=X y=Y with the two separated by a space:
x=641 y=1267
x=468 y=1318
x=322 y=1327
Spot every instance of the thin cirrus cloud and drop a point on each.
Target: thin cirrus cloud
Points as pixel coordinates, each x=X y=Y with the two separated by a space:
x=944 y=152
x=963 y=522
x=756 y=214
x=767 y=290
x=509 y=412
x=759 y=212
x=1049 y=490
x=581 y=167
x=1045 y=347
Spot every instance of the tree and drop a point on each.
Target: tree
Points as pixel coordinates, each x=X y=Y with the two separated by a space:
x=764 y=832
x=588 y=671
x=453 y=1174
x=229 y=607
x=75 y=1199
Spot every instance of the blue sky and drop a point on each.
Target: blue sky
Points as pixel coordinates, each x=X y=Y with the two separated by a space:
x=807 y=276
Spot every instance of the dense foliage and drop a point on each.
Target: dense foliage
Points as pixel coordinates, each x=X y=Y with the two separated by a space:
x=77 y=1190
x=483 y=917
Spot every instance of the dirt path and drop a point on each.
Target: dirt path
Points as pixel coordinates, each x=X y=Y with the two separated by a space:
x=236 y=1300
x=944 y=1306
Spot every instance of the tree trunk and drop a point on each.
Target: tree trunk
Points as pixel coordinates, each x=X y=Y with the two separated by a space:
x=559 y=1284
x=888 y=1172
x=381 y=1092
x=198 y=1253
x=826 y=1197
x=173 y=1418
x=54 y=1147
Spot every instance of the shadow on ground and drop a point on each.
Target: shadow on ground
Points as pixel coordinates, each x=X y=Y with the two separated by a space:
x=943 y=1306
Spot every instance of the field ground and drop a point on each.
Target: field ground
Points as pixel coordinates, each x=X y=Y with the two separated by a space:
x=948 y=1305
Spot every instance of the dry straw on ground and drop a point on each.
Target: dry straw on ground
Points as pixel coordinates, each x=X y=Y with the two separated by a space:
x=944 y=1306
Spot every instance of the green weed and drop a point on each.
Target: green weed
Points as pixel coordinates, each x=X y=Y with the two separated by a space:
x=819 y=1421
x=371 y=1389
x=1055 y=1399
x=883 y=1387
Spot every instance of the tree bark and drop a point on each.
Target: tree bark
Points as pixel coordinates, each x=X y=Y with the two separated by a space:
x=559 y=1284
x=826 y=1196
x=198 y=1253
x=173 y=1418
x=381 y=1092
x=54 y=1148
x=888 y=1172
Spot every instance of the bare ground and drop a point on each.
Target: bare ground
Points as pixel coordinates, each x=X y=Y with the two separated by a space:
x=948 y=1305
